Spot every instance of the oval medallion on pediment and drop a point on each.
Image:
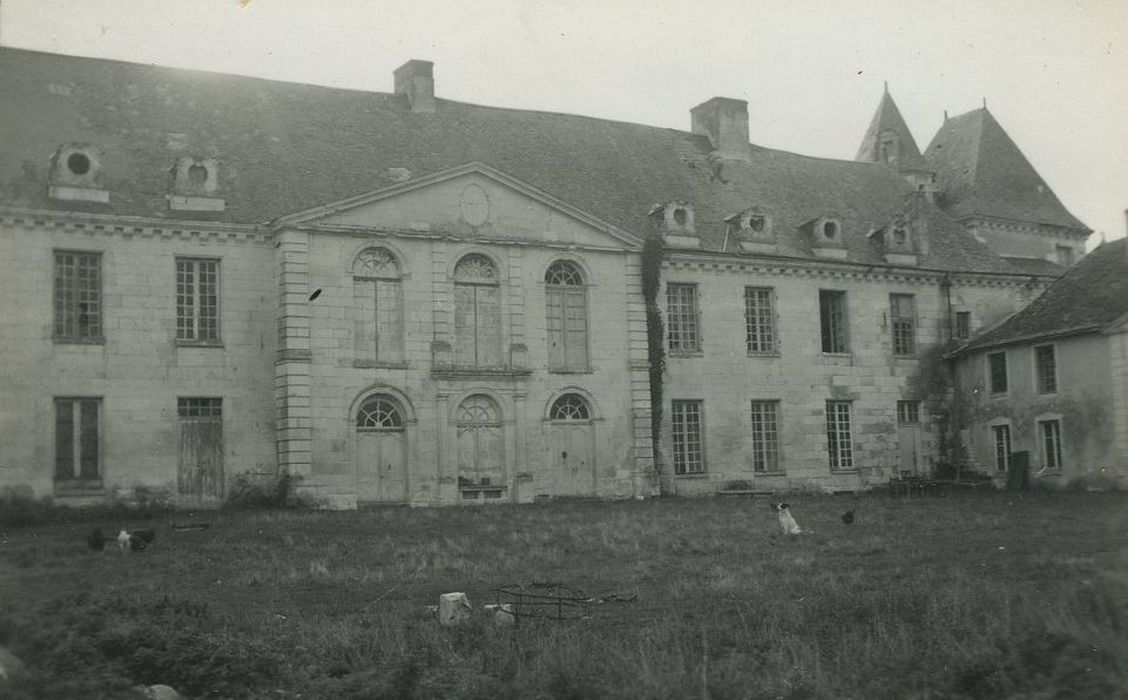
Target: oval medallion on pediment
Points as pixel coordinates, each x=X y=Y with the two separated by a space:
x=475 y=205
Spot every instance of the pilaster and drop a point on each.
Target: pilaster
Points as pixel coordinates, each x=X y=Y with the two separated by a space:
x=292 y=360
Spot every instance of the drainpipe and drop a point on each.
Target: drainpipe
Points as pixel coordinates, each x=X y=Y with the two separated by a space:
x=955 y=449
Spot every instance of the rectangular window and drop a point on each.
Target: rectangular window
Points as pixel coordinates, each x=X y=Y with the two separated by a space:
x=765 y=437
x=1045 y=366
x=832 y=318
x=686 y=419
x=78 y=296
x=1050 y=433
x=838 y=439
x=759 y=320
x=197 y=300
x=682 y=319
x=902 y=314
x=997 y=372
x=908 y=412
x=203 y=407
x=963 y=325
x=566 y=318
x=1002 y=436
x=1064 y=255
x=77 y=439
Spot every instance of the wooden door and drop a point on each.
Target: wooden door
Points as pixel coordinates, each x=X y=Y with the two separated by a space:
x=573 y=459
x=199 y=477
x=381 y=467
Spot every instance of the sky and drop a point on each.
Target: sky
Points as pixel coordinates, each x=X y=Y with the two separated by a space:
x=1054 y=73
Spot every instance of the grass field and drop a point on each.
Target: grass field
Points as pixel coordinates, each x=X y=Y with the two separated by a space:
x=983 y=596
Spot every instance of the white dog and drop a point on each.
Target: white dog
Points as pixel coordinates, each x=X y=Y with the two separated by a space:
x=786 y=520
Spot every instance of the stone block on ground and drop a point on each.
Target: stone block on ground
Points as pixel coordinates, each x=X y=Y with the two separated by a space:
x=454 y=609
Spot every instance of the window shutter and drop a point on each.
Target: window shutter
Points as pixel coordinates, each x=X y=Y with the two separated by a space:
x=364 y=310
x=575 y=329
x=389 y=319
x=554 y=319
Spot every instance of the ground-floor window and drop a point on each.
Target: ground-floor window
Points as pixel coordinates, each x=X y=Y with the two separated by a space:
x=1002 y=437
x=687 y=424
x=1050 y=433
x=78 y=439
x=765 y=436
x=839 y=442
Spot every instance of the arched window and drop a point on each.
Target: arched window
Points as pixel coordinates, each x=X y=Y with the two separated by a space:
x=477 y=312
x=571 y=407
x=378 y=307
x=379 y=412
x=480 y=443
x=566 y=317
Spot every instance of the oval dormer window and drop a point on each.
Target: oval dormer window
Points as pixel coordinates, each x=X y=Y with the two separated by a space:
x=78 y=163
x=900 y=236
x=830 y=230
x=680 y=216
x=754 y=222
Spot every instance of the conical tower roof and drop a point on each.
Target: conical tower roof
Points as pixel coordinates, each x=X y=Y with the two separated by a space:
x=888 y=139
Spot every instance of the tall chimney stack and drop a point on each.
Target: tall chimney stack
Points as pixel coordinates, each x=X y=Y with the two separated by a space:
x=416 y=80
x=725 y=121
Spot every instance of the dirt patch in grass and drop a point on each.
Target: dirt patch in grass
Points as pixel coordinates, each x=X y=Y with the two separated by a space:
x=984 y=596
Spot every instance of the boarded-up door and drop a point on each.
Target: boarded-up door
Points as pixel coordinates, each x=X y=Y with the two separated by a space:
x=381 y=452
x=481 y=444
x=199 y=477
x=573 y=446
x=908 y=436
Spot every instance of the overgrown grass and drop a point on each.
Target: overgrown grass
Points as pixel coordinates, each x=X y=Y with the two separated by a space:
x=983 y=596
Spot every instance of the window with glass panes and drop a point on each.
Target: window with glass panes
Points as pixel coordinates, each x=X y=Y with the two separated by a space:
x=902 y=314
x=378 y=328
x=997 y=372
x=759 y=320
x=908 y=412
x=78 y=296
x=1002 y=437
x=839 y=442
x=681 y=318
x=1045 y=365
x=1050 y=433
x=477 y=312
x=197 y=299
x=963 y=325
x=687 y=429
x=77 y=439
x=832 y=319
x=765 y=436
x=565 y=297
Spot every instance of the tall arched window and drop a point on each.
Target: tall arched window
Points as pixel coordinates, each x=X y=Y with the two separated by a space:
x=566 y=317
x=378 y=307
x=477 y=312
x=481 y=447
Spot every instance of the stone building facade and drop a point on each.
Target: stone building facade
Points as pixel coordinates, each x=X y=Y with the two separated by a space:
x=403 y=299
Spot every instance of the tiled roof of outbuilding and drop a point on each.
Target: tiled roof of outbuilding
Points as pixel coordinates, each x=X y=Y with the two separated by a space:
x=286 y=147
x=1092 y=294
x=981 y=171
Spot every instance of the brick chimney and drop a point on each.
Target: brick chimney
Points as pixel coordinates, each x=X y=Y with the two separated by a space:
x=725 y=121
x=416 y=80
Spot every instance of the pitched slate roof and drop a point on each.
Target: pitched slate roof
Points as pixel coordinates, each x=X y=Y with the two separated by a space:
x=287 y=147
x=981 y=171
x=888 y=118
x=1092 y=294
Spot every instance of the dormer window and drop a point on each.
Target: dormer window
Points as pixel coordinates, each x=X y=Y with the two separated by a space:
x=676 y=223
x=828 y=239
x=753 y=222
x=195 y=185
x=900 y=236
x=830 y=230
x=76 y=174
x=887 y=146
x=752 y=229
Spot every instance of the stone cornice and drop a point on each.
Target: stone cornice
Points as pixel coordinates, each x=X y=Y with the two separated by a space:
x=424 y=234
x=131 y=226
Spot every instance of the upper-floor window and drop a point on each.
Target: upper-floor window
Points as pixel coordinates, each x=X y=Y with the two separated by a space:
x=759 y=320
x=908 y=412
x=1064 y=255
x=477 y=312
x=902 y=312
x=197 y=300
x=1049 y=431
x=566 y=317
x=1045 y=369
x=832 y=319
x=963 y=325
x=997 y=372
x=682 y=321
x=687 y=433
x=839 y=438
x=378 y=329
x=765 y=436
x=77 y=439
x=78 y=296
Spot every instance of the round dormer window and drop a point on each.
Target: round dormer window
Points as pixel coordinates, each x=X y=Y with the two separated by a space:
x=78 y=163
x=197 y=175
x=830 y=230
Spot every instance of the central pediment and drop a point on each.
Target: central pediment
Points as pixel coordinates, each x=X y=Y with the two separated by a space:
x=473 y=201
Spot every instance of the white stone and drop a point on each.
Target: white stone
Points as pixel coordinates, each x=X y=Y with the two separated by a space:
x=454 y=609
